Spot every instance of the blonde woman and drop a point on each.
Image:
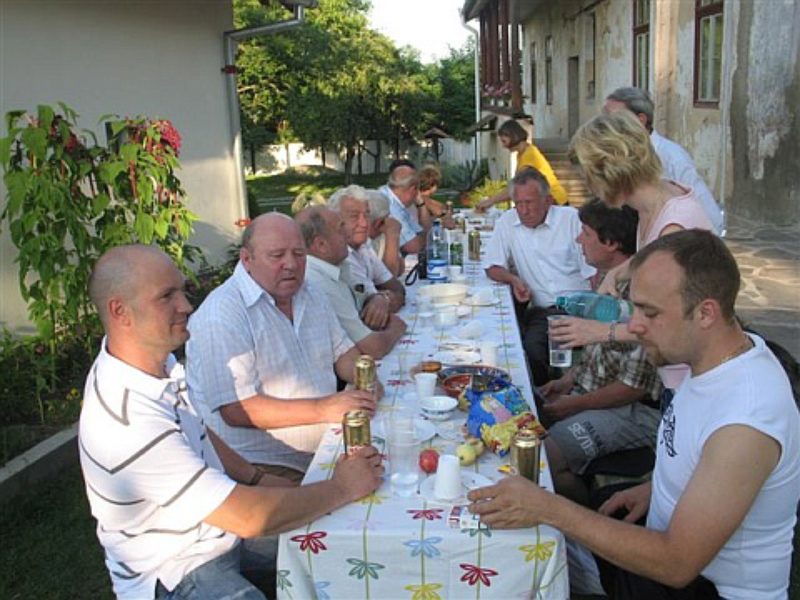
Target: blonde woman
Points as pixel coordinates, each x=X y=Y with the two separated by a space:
x=622 y=167
x=515 y=139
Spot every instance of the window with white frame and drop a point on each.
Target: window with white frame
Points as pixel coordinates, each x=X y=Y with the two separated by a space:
x=641 y=44
x=707 y=51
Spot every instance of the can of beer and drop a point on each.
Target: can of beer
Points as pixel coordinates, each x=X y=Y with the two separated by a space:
x=474 y=244
x=449 y=205
x=364 y=376
x=525 y=452
x=355 y=431
x=461 y=224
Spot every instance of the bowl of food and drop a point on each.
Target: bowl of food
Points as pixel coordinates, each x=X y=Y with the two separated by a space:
x=437 y=408
x=455 y=384
x=484 y=371
x=444 y=293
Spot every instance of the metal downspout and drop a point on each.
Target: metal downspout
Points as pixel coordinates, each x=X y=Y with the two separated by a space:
x=477 y=92
x=230 y=40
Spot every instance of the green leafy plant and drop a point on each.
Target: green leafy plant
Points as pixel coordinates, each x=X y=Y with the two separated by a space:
x=464 y=177
x=489 y=188
x=70 y=198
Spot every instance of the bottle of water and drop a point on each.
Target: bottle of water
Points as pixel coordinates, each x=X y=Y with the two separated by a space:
x=437 y=252
x=591 y=305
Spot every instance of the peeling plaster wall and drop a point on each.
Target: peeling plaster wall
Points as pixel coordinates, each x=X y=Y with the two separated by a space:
x=766 y=90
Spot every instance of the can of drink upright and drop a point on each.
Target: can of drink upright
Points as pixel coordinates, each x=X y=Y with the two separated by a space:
x=526 y=449
x=365 y=373
x=449 y=208
x=355 y=431
x=461 y=224
x=474 y=244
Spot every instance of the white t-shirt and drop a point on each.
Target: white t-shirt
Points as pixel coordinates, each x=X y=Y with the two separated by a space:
x=243 y=345
x=366 y=268
x=750 y=390
x=152 y=476
x=548 y=258
x=678 y=165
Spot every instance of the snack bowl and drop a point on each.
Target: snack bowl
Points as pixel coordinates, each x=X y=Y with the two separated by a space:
x=437 y=408
x=444 y=293
x=455 y=384
x=485 y=371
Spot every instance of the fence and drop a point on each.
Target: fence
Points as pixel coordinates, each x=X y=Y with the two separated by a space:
x=274 y=159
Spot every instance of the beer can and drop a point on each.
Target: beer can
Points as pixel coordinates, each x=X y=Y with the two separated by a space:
x=525 y=454
x=365 y=373
x=355 y=431
x=461 y=224
x=474 y=244
x=449 y=205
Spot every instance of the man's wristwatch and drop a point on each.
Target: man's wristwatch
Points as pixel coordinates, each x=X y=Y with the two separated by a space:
x=420 y=204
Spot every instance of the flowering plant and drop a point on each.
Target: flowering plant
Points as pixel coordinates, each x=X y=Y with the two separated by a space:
x=501 y=91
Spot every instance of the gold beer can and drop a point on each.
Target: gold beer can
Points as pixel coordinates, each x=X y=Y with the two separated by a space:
x=525 y=454
x=355 y=431
x=461 y=224
x=474 y=244
x=365 y=373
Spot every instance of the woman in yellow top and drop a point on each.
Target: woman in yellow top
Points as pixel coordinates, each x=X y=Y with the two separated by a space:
x=515 y=139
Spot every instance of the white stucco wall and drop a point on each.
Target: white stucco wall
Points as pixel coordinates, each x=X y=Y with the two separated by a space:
x=160 y=58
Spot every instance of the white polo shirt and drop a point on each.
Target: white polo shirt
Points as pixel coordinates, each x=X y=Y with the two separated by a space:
x=243 y=345
x=346 y=302
x=678 y=166
x=367 y=269
x=547 y=258
x=152 y=476
x=409 y=225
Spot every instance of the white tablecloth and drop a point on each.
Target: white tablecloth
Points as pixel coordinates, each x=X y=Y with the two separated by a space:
x=388 y=547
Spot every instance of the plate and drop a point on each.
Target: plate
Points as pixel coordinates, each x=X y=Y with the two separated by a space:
x=470 y=331
x=475 y=301
x=424 y=429
x=458 y=357
x=450 y=430
x=469 y=481
x=463 y=311
x=480 y=370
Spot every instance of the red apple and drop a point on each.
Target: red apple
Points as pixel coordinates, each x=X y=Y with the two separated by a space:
x=429 y=460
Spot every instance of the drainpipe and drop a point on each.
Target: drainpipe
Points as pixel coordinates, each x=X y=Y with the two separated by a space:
x=474 y=32
x=230 y=41
x=730 y=25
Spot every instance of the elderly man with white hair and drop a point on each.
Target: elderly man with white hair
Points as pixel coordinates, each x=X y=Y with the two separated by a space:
x=405 y=205
x=384 y=232
x=384 y=294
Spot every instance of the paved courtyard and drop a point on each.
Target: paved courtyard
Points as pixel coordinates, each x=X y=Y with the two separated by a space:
x=769 y=259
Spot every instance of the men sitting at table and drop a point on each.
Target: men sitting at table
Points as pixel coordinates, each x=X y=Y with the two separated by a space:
x=171 y=499
x=608 y=401
x=540 y=239
x=324 y=234
x=675 y=161
x=384 y=233
x=265 y=352
x=384 y=293
x=726 y=483
x=405 y=205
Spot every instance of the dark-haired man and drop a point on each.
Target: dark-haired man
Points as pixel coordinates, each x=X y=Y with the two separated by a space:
x=722 y=501
x=608 y=401
x=171 y=499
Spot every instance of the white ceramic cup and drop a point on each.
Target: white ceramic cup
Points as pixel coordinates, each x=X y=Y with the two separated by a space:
x=426 y=384
x=447 y=485
x=488 y=352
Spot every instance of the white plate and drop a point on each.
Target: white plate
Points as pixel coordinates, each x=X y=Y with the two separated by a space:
x=470 y=331
x=463 y=311
x=475 y=301
x=458 y=357
x=424 y=429
x=450 y=430
x=469 y=481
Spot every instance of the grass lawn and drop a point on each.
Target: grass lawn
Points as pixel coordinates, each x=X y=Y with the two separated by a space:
x=49 y=545
x=309 y=180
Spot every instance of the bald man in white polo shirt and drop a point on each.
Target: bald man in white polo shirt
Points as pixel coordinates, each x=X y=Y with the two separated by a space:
x=539 y=239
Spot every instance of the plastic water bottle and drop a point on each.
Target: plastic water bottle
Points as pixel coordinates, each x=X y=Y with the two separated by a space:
x=591 y=305
x=437 y=252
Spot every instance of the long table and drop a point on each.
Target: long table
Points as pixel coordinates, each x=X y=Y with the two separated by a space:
x=389 y=547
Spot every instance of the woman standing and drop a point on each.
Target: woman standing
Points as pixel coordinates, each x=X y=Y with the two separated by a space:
x=515 y=139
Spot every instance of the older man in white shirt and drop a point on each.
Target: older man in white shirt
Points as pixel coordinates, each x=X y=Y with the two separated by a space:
x=675 y=160
x=265 y=352
x=368 y=274
x=406 y=206
x=329 y=272
x=539 y=239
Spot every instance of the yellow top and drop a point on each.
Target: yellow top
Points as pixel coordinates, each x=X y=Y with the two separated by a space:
x=532 y=157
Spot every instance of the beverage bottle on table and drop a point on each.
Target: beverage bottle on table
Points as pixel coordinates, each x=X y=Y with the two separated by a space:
x=600 y=307
x=456 y=246
x=438 y=254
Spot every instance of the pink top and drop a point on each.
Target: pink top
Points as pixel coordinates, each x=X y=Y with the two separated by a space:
x=686 y=212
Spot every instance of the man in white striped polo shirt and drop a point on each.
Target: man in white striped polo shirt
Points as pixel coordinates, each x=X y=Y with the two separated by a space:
x=172 y=500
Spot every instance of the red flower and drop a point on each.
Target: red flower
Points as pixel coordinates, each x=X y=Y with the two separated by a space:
x=311 y=541
x=170 y=135
x=242 y=222
x=473 y=574
x=429 y=514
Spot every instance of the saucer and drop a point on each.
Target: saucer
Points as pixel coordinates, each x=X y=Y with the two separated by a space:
x=469 y=481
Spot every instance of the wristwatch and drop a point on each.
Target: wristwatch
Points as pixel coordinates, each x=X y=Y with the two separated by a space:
x=420 y=204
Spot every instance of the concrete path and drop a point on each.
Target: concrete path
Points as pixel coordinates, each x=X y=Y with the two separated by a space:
x=769 y=260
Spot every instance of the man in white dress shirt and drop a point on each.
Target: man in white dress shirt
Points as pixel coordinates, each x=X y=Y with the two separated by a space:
x=405 y=206
x=384 y=233
x=540 y=240
x=328 y=271
x=265 y=352
x=676 y=162
x=384 y=293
